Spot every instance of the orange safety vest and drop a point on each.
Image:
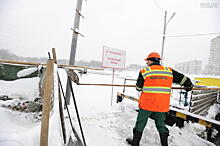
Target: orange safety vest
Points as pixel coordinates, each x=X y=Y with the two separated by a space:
x=156 y=90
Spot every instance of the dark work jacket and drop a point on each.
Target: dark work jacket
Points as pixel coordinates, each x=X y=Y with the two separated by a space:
x=177 y=78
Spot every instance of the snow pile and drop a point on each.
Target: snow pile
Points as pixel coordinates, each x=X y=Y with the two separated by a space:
x=26 y=72
x=23 y=129
x=186 y=137
x=26 y=89
x=213 y=111
x=18 y=129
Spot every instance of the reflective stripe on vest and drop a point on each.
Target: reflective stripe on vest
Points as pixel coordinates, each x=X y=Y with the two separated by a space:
x=138 y=88
x=148 y=72
x=165 y=90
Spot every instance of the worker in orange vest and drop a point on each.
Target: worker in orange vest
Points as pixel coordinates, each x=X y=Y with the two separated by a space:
x=154 y=82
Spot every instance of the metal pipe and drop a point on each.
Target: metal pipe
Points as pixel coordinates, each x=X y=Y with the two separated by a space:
x=135 y=86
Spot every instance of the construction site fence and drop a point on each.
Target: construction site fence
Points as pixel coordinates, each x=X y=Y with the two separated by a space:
x=200 y=100
x=9 y=72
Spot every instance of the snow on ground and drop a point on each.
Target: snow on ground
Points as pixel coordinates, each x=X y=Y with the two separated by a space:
x=21 y=128
x=18 y=129
x=108 y=125
x=22 y=88
x=104 y=122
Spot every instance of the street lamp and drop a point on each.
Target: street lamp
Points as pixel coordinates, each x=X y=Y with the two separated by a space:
x=164 y=31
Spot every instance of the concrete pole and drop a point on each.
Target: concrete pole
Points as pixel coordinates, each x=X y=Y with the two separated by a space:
x=74 y=44
x=164 y=33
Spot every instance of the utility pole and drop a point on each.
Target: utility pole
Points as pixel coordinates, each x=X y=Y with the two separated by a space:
x=164 y=33
x=74 y=44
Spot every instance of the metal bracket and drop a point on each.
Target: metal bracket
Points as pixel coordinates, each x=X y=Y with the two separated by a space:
x=80 y=14
x=73 y=76
x=77 y=32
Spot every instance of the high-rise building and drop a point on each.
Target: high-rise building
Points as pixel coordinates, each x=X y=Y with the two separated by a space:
x=189 y=67
x=213 y=66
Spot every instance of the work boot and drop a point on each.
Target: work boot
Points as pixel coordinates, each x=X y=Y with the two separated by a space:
x=164 y=139
x=136 y=138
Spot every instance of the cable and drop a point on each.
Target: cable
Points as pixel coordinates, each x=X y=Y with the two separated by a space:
x=61 y=114
x=158 y=6
x=202 y=34
x=74 y=131
x=77 y=113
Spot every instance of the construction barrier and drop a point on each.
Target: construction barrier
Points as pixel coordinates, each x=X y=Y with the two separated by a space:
x=208 y=81
x=9 y=71
x=183 y=115
x=202 y=100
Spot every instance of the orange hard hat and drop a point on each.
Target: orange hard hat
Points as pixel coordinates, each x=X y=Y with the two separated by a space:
x=153 y=55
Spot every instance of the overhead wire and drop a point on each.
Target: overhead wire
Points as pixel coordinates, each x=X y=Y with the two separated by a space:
x=158 y=5
x=191 y=35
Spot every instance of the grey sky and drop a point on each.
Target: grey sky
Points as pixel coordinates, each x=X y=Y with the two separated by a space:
x=32 y=27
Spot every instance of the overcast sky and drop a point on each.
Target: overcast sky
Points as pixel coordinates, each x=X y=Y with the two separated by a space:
x=32 y=27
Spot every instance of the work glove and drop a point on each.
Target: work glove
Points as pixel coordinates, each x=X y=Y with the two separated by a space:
x=188 y=85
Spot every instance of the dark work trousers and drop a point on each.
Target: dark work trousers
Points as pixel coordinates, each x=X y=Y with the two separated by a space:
x=158 y=117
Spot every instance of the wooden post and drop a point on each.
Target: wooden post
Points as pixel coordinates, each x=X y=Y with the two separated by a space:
x=46 y=103
x=113 y=76
x=54 y=55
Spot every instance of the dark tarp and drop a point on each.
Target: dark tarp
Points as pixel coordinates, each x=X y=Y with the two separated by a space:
x=9 y=72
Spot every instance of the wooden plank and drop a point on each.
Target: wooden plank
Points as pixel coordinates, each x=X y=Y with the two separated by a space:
x=75 y=66
x=46 y=103
x=195 y=108
x=202 y=96
x=184 y=114
x=106 y=85
x=126 y=96
x=21 y=62
x=202 y=110
x=197 y=102
x=60 y=66
x=202 y=91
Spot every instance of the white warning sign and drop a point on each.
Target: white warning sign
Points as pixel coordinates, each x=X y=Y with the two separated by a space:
x=113 y=58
